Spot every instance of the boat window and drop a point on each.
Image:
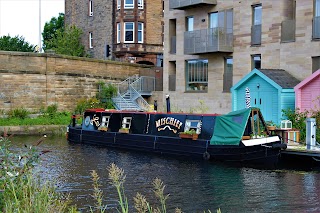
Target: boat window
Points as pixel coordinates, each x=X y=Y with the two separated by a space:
x=126 y=122
x=193 y=124
x=105 y=121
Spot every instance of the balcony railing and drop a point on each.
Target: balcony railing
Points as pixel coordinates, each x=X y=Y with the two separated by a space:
x=183 y=4
x=288 y=31
x=217 y=39
x=316 y=28
x=173 y=45
x=256 y=34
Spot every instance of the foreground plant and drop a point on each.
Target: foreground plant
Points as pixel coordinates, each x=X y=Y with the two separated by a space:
x=21 y=188
x=141 y=205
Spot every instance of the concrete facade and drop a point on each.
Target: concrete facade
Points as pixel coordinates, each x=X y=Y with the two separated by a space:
x=295 y=57
x=32 y=81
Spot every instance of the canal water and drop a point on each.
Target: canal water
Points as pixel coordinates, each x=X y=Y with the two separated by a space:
x=194 y=186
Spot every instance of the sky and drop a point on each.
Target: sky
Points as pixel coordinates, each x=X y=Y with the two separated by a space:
x=21 y=17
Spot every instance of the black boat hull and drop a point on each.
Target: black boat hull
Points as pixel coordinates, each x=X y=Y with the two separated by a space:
x=258 y=154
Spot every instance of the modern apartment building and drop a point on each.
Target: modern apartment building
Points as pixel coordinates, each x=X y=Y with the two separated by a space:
x=125 y=30
x=212 y=44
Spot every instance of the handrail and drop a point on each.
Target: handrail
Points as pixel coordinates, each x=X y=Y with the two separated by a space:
x=135 y=95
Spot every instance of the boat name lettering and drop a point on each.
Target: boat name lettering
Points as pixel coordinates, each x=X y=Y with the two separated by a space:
x=168 y=121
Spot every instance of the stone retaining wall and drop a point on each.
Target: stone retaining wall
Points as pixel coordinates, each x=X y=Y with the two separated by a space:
x=32 y=80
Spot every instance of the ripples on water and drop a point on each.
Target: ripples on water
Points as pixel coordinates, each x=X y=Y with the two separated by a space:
x=193 y=186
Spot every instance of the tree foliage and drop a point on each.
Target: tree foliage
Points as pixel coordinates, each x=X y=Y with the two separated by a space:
x=50 y=30
x=17 y=43
x=68 y=42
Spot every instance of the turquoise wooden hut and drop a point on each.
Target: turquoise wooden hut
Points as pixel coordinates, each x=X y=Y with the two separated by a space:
x=271 y=90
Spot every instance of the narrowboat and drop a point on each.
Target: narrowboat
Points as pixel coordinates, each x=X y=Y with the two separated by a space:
x=240 y=136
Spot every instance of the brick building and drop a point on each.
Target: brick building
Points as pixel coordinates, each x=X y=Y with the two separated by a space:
x=95 y=19
x=210 y=45
x=125 y=30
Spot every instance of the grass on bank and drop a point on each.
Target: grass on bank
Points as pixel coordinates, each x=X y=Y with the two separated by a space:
x=22 y=189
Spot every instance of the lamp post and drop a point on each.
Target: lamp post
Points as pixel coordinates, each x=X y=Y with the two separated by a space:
x=40 y=49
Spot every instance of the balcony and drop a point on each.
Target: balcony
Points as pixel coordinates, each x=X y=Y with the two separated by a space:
x=208 y=41
x=316 y=28
x=288 y=31
x=184 y=4
x=256 y=34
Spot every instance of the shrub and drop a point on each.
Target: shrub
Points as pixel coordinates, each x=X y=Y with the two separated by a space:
x=106 y=93
x=20 y=113
x=84 y=104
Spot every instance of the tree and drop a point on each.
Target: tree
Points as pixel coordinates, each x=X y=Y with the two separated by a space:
x=50 y=30
x=8 y=43
x=67 y=42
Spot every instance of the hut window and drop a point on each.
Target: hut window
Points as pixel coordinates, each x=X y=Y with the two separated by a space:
x=126 y=122
x=193 y=124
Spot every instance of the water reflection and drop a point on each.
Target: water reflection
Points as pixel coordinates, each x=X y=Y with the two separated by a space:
x=193 y=186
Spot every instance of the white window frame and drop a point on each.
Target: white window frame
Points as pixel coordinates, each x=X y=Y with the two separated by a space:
x=189 y=124
x=140 y=4
x=118 y=32
x=105 y=121
x=90 y=40
x=90 y=7
x=127 y=5
x=126 y=122
x=140 y=31
x=118 y=4
x=125 y=32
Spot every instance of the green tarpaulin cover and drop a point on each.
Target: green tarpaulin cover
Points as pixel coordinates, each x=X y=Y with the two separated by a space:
x=229 y=129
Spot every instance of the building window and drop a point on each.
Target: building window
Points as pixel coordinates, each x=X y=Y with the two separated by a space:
x=118 y=4
x=90 y=40
x=256 y=61
x=128 y=4
x=118 y=32
x=129 y=32
x=140 y=32
x=197 y=75
x=90 y=8
x=190 y=23
x=256 y=25
x=140 y=4
x=315 y=63
x=213 y=20
x=316 y=20
x=228 y=74
x=317 y=8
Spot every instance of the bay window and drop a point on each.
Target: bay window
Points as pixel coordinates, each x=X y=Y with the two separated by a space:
x=129 y=32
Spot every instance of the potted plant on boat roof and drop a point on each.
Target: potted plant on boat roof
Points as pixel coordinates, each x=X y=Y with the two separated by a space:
x=124 y=130
x=191 y=134
x=271 y=125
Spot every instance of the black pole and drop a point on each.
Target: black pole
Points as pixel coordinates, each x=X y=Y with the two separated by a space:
x=155 y=105
x=168 y=103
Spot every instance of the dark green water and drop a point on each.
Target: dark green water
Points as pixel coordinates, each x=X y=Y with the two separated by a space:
x=193 y=186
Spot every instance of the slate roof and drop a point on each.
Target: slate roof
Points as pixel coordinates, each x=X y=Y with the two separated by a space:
x=281 y=77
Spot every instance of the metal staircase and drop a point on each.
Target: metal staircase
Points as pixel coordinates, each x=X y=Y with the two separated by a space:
x=130 y=93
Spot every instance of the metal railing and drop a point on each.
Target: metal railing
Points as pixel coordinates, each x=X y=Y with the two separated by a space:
x=217 y=39
x=288 y=30
x=176 y=4
x=316 y=27
x=129 y=92
x=256 y=34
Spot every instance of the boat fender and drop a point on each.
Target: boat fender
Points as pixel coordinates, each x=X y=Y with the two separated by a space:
x=206 y=156
x=279 y=146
